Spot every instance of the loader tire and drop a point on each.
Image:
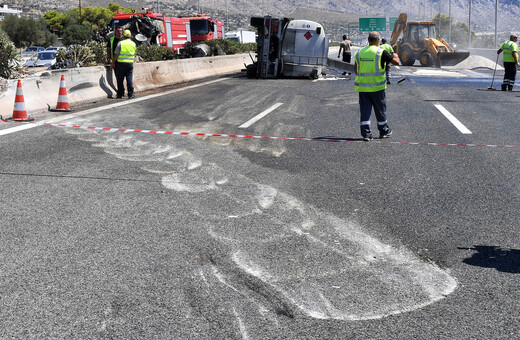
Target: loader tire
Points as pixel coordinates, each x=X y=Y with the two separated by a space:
x=426 y=59
x=407 y=56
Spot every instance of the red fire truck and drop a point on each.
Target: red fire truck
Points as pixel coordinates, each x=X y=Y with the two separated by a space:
x=169 y=32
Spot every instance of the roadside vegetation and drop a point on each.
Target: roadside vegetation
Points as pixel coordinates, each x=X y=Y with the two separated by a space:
x=79 y=33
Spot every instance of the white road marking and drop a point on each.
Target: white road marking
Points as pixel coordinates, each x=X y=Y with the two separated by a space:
x=105 y=107
x=17 y=128
x=453 y=120
x=259 y=116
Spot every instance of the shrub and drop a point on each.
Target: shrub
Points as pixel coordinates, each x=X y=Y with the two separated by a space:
x=80 y=55
x=219 y=47
x=10 y=59
x=98 y=51
x=154 y=53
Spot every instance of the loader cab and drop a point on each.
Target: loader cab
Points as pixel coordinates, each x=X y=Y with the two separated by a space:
x=419 y=31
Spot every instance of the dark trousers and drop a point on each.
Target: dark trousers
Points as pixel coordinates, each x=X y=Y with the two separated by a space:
x=509 y=76
x=125 y=71
x=367 y=101
x=346 y=57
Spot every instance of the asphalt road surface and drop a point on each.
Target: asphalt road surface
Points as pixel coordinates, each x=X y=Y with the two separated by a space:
x=143 y=234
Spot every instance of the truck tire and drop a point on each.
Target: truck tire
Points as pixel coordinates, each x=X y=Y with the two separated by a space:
x=426 y=59
x=407 y=56
x=251 y=70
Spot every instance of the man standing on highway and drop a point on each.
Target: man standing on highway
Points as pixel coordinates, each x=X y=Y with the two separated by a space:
x=390 y=50
x=124 y=54
x=510 y=49
x=112 y=43
x=345 y=47
x=111 y=46
x=369 y=65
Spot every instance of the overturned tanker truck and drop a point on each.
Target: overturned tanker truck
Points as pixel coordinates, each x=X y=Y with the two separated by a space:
x=288 y=48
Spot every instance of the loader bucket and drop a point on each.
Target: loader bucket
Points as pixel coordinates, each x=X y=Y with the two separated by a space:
x=451 y=58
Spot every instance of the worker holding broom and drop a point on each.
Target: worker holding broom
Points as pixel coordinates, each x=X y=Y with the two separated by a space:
x=510 y=49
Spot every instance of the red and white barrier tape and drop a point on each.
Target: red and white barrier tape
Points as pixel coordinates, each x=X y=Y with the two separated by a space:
x=383 y=141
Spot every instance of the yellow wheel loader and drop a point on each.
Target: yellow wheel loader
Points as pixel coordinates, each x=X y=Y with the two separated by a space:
x=419 y=42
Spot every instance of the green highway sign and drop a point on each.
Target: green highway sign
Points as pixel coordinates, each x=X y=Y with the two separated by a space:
x=372 y=24
x=391 y=23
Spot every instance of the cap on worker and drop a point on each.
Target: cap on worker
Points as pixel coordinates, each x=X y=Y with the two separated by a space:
x=127 y=34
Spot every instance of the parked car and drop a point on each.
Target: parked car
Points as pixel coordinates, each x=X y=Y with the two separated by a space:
x=45 y=58
x=33 y=49
x=30 y=52
x=52 y=48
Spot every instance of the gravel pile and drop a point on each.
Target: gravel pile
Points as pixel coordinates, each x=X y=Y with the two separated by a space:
x=476 y=61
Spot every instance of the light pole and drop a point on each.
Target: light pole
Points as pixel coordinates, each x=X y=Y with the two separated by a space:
x=496 y=22
x=440 y=22
x=469 y=24
x=449 y=22
x=80 y=11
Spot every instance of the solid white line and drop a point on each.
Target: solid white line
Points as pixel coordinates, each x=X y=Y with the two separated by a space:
x=106 y=107
x=17 y=128
x=259 y=116
x=453 y=120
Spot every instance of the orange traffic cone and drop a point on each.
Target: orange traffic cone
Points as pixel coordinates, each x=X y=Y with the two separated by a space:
x=63 y=102
x=19 y=112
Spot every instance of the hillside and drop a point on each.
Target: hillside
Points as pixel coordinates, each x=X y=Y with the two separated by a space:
x=334 y=14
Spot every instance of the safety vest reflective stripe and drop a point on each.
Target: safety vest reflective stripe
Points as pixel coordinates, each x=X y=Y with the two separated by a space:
x=127 y=54
x=368 y=59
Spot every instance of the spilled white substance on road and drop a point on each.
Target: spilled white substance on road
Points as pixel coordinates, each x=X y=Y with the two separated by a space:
x=324 y=266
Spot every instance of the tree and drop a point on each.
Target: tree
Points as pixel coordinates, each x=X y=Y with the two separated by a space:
x=57 y=21
x=25 y=32
x=76 y=35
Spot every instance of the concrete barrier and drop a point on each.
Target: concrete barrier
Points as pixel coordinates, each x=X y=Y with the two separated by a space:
x=89 y=84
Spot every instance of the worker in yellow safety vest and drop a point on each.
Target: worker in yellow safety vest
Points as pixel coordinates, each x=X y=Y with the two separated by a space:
x=510 y=49
x=124 y=54
x=387 y=47
x=369 y=65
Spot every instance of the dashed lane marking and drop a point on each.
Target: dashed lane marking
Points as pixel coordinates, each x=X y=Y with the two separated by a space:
x=453 y=120
x=260 y=116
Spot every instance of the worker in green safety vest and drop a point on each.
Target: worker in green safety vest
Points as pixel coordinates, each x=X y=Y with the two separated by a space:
x=124 y=54
x=369 y=65
x=510 y=49
x=387 y=47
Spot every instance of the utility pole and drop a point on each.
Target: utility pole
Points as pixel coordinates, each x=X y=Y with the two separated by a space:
x=158 y=8
x=80 y=11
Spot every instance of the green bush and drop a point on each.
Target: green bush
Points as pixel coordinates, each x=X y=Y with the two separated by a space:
x=81 y=55
x=220 y=46
x=154 y=53
x=98 y=51
x=10 y=59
